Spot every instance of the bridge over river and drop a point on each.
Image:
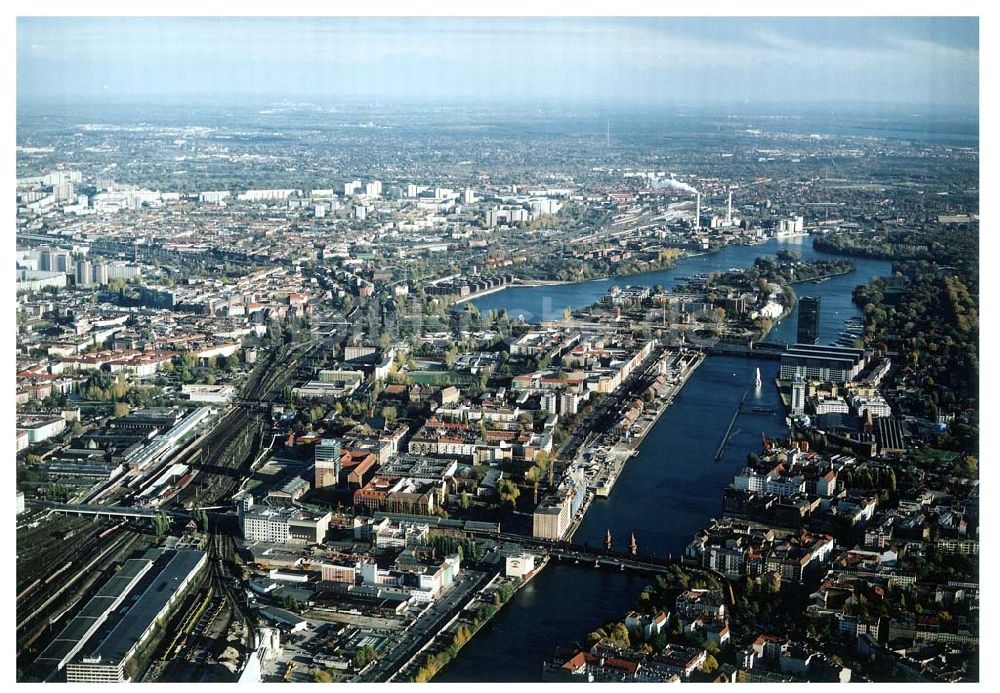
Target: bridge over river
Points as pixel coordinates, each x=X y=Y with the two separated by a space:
x=599 y=557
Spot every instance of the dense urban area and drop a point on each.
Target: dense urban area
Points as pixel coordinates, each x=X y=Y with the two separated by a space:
x=368 y=394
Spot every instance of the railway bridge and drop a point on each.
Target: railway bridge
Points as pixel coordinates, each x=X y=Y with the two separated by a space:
x=122 y=511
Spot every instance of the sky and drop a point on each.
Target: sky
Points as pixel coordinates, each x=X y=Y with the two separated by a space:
x=608 y=61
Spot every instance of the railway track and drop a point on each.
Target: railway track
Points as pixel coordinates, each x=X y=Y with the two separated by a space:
x=226 y=456
x=224 y=555
x=188 y=622
x=220 y=458
x=61 y=553
x=40 y=547
x=207 y=619
x=56 y=554
x=89 y=559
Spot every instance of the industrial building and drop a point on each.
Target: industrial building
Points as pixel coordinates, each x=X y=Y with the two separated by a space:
x=41 y=428
x=141 y=457
x=281 y=525
x=551 y=517
x=408 y=494
x=554 y=513
x=76 y=633
x=518 y=563
x=111 y=646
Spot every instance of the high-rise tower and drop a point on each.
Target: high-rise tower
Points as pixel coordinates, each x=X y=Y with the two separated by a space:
x=808 y=328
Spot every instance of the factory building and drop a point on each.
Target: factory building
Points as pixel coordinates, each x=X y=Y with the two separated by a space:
x=551 y=518
x=281 y=525
x=74 y=636
x=105 y=661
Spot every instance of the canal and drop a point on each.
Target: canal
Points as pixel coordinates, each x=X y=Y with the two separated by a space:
x=669 y=490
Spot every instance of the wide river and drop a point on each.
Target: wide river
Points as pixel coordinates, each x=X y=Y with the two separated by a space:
x=670 y=489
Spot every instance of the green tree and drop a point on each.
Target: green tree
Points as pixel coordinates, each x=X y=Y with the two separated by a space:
x=363 y=657
x=969 y=467
x=509 y=492
x=201 y=519
x=390 y=414
x=161 y=523
x=619 y=635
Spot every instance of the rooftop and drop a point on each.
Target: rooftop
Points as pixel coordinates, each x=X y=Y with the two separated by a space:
x=117 y=644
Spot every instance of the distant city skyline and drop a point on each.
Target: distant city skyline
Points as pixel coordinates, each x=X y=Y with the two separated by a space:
x=633 y=62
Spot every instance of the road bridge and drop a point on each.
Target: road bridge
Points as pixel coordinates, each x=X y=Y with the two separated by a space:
x=763 y=350
x=598 y=557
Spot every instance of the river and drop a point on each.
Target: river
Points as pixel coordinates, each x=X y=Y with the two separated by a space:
x=669 y=490
x=538 y=303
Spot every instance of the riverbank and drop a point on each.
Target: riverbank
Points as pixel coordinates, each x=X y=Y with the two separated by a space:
x=460 y=630
x=446 y=645
x=787 y=312
x=618 y=455
x=536 y=283
x=663 y=496
x=547 y=300
x=822 y=277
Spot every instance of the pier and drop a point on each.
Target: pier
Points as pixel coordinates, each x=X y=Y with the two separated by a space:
x=732 y=422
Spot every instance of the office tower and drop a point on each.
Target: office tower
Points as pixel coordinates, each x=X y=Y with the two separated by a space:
x=327 y=463
x=808 y=332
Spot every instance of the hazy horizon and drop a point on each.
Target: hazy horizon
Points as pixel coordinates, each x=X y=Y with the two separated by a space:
x=929 y=64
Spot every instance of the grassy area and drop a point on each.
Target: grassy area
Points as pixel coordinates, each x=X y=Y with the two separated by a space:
x=933 y=455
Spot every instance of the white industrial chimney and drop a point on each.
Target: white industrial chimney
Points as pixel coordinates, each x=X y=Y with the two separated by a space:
x=697 y=212
x=729 y=210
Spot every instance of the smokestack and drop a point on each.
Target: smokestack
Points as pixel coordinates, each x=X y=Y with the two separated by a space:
x=729 y=210
x=697 y=212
